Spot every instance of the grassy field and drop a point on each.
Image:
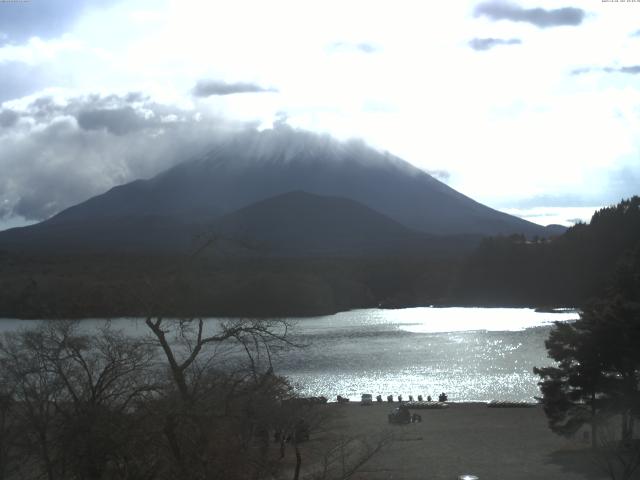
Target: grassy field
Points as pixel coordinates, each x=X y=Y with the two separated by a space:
x=491 y=443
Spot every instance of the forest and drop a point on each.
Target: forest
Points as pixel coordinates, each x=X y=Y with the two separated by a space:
x=563 y=271
x=566 y=270
x=593 y=385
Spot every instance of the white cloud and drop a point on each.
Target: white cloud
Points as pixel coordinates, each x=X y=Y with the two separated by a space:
x=506 y=123
x=566 y=216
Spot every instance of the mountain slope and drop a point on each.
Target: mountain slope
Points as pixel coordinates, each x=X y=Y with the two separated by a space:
x=254 y=166
x=142 y=233
x=298 y=223
x=291 y=224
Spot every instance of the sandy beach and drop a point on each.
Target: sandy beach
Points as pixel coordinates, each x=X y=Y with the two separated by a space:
x=466 y=438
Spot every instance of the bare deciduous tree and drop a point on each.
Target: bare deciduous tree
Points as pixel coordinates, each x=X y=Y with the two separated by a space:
x=75 y=396
x=223 y=396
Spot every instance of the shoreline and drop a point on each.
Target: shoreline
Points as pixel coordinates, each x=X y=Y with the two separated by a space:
x=461 y=403
x=537 y=309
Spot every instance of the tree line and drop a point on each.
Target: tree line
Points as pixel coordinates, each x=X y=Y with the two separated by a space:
x=513 y=270
x=595 y=382
x=120 y=286
x=567 y=270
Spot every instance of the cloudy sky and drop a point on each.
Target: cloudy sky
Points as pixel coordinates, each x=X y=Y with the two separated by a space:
x=532 y=107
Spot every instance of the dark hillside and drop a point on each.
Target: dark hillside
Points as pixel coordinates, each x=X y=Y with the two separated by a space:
x=567 y=270
x=298 y=223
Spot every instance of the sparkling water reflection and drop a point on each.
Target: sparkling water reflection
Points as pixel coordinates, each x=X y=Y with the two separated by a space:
x=473 y=354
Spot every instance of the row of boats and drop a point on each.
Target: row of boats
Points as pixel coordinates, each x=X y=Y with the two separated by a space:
x=367 y=399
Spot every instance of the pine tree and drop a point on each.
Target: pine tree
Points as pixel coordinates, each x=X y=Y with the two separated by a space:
x=598 y=359
x=574 y=393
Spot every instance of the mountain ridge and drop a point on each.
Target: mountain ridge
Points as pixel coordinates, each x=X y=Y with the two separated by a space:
x=254 y=166
x=165 y=212
x=302 y=223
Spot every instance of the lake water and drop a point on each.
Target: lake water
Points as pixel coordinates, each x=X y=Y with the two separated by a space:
x=472 y=354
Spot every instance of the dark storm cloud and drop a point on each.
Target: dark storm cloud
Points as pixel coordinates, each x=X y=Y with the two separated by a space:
x=207 y=88
x=20 y=21
x=113 y=114
x=631 y=70
x=540 y=17
x=58 y=153
x=481 y=44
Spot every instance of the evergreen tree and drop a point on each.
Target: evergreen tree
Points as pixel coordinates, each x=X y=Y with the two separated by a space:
x=574 y=393
x=598 y=359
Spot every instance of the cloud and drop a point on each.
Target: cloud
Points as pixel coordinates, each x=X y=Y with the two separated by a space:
x=632 y=70
x=59 y=152
x=20 y=21
x=442 y=175
x=118 y=121
x=561 y=200
x=207 y=88
x=362 y=47
x=498 y=10
x=8 y=118
x=583 y=70
x=618 y=183
x=367 y=48
x=623 y=183
x=481 y=44
x=555 y=215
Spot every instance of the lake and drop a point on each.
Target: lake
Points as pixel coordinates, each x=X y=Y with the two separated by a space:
x=472 y=354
